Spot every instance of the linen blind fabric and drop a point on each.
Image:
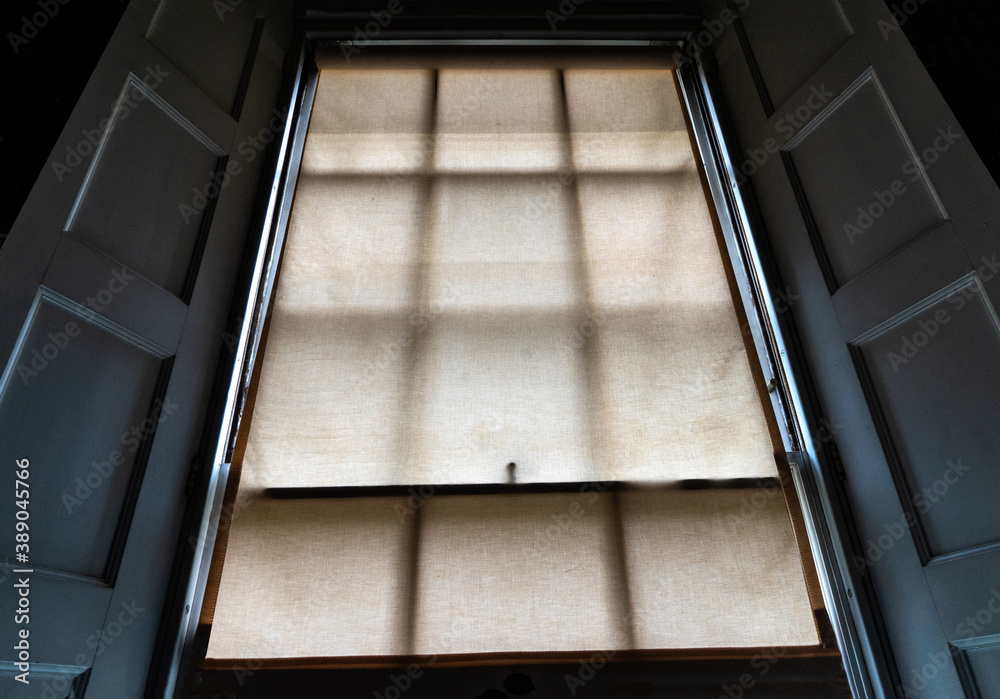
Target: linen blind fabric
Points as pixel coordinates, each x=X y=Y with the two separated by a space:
x=489 y=265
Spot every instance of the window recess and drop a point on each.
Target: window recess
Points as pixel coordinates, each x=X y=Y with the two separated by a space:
x=504 y=406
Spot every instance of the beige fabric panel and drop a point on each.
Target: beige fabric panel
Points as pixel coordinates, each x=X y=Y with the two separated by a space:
x=626 y=121
x=493 y=391
x=332 y=395
x=637 y=152
x=308 y=578
x=370 y=123
x=673 y=402
x=381 y=155
x=676 y=394
x=650 y=243
x=714 y=568
x=370 y=102
x=500 y=121
x=517 y=573
x=616 y=101
x=330 y=413
x=503 y=245
x=352 y=246
x=500 y=152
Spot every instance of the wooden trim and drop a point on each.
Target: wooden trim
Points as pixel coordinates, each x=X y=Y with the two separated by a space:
x=505 y=659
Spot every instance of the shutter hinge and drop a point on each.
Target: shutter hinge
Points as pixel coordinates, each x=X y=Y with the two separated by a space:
x=835 y=460
x=192 y=478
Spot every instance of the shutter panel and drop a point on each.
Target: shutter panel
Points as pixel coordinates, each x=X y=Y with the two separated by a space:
x=885 y=222
x=124 y=294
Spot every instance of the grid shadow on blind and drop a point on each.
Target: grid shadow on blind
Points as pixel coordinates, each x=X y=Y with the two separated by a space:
x=499 y=266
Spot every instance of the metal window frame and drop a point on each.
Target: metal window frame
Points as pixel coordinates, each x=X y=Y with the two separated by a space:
x=847 y=593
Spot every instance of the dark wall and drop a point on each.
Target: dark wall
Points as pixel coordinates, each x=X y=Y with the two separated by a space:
x=50 y=48
x=958 y=41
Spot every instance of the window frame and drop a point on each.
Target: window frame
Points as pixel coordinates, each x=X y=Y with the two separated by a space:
x=811 y=450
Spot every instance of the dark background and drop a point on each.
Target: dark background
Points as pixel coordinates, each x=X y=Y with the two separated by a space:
x=956 y=40
x=40 y=84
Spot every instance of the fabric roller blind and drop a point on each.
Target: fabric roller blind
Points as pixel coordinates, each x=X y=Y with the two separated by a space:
x=512 y=574
x=490 y=265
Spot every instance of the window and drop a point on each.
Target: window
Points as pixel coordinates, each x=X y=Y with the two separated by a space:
x=505 y=405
